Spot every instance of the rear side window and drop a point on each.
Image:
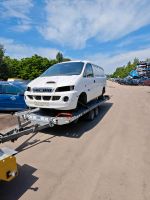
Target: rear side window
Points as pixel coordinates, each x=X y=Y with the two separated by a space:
x=98 y=71
x=10 y=89
x=88 y=72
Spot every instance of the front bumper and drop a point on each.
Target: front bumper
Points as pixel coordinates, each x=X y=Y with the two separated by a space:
x=59 y=104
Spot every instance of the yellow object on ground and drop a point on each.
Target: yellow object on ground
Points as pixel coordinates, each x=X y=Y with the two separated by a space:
x=8 y=165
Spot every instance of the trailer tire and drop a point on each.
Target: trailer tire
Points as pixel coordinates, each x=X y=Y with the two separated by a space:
x=75 y=121
x=90 y=115
x=96 y=110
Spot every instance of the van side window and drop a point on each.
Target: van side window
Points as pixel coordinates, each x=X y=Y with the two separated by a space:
x=88 y=72
x=98 y=71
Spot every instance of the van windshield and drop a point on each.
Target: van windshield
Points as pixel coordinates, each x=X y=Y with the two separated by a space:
x=64 y=69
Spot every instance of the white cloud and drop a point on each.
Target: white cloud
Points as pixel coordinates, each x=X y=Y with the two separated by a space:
x=16 y=50
x=135 y=40
x=109 y=63
x=22 y=26
x=18 y=9
x=73 y=22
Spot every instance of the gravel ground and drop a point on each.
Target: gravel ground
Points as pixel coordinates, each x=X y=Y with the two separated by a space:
x=106 y=159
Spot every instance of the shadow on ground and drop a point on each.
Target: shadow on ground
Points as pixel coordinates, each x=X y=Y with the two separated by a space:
x=73 y=130
x=7 y=120
x=16 y=188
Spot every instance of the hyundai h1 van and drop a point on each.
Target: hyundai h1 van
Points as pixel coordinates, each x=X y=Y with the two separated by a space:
x=66 y=85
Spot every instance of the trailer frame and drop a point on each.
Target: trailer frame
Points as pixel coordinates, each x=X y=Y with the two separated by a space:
x=34 y=120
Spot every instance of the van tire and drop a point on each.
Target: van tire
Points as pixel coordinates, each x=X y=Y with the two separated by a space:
x=82 y=100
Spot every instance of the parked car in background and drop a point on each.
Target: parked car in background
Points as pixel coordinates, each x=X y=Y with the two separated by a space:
x=146 y=82
x=135 y=81
x=14 y=79
x=18 y=80
x=131 y=81
x=66 y=85
x=142 y=79
x=12 y=96
x=125 y=81
x=117 y=80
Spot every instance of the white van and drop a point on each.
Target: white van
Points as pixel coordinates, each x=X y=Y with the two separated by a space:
x=66 y=85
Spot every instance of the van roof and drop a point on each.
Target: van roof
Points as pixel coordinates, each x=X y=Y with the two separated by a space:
x=76 y=61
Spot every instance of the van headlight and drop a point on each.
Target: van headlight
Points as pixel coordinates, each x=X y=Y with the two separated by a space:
x=65 y=88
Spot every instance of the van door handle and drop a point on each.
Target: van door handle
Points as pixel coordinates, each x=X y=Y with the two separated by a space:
x=94 y=81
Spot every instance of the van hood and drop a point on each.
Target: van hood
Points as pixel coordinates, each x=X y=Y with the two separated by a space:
x=54 y=81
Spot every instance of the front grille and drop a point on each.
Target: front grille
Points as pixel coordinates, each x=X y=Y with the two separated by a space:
x=37 y=97
x=55 y=98
x=46 y=98
x=30 y=96
x=42 y=89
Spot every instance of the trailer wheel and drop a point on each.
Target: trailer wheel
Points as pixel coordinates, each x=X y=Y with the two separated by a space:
x=75 y=121
x=90 y=115
x=96 y=110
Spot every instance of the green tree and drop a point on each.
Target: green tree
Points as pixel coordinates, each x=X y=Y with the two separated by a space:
x=59 y=57
x=129 y=63
x=32 y=67
x=66 y=59
x=26 y=68
x=136 y=61
x=147 y=59
x=124 y=71
x=13 y=66
x=1 y=53
x=3 y=65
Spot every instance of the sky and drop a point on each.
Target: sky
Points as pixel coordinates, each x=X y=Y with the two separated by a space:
x=106 y=32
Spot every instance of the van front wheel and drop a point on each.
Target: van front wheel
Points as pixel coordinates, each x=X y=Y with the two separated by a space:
x=82 y=100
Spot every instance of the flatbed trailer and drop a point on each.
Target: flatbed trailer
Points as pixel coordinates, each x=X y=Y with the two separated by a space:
x=34 y=120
